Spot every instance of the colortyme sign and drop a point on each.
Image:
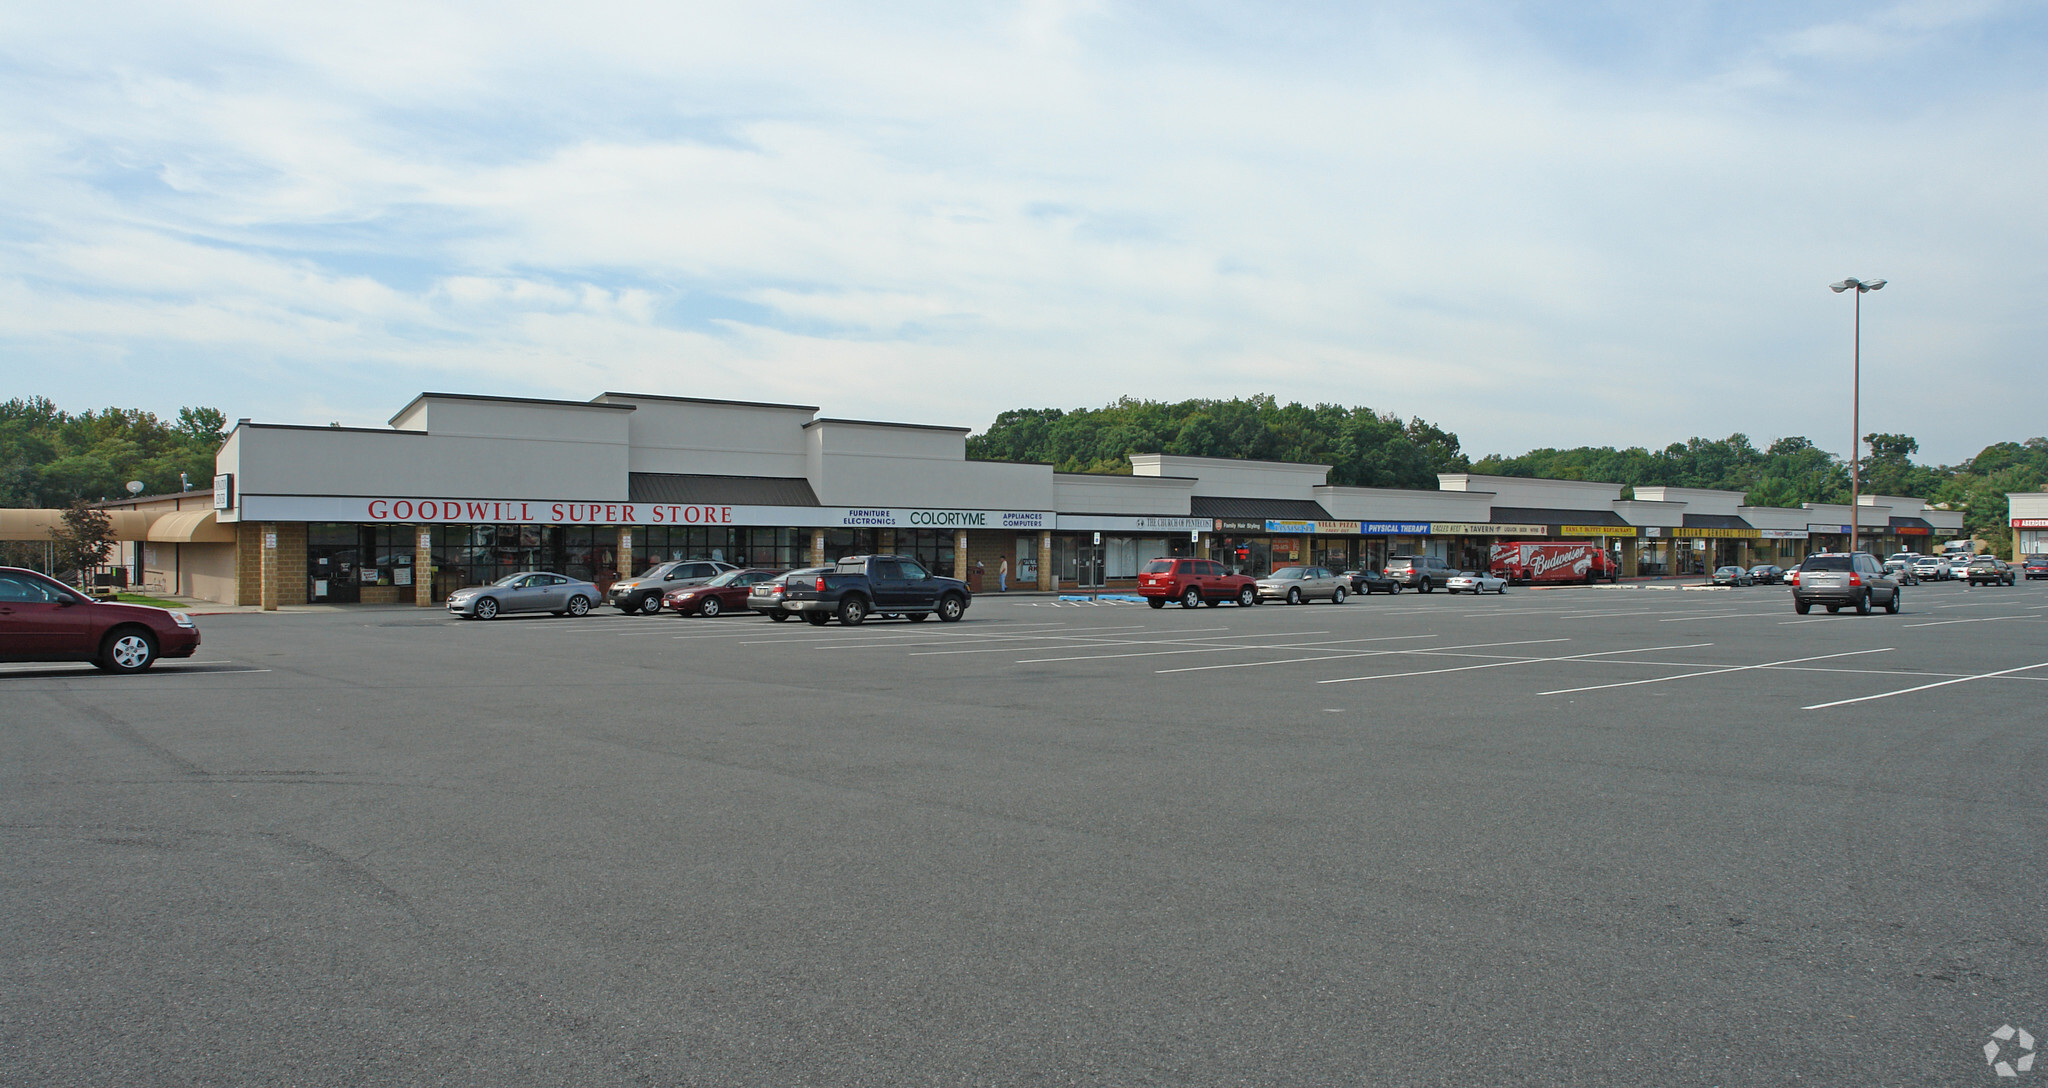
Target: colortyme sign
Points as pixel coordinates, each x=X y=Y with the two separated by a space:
x=434 y=510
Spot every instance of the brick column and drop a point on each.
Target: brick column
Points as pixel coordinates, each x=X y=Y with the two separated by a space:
x=1631 y=554
x=817 y=547
x=423 y=566
x=1046 y=579
x=624 y=553
x=960 y=563
x=269 y=590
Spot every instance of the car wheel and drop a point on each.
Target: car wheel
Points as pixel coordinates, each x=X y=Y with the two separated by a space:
x=1156 y=602
x=1294 y=595
x=918 y=617
x=1247 y=597
x=579 y=605
x=1337 y=595
x=816 y=619
x=778 y=617
x=1426 y=587
x=1394 y=590
x=952 y=606
x=1191 y=599
x=1863 y=604
x=649 y=604
x=1892 y=606
x=486 y=608
x=129 y=649
x=1801 y=607
x=853 y=611
x=710 y=607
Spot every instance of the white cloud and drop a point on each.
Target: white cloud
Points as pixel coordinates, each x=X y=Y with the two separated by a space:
x=1045 y=204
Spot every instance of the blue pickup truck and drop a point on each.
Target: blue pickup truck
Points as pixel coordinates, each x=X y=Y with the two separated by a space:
x=860 y=586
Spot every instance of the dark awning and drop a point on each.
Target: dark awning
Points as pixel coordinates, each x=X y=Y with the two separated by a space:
x=1545 y=515
x=693 y=490
x=1212 y=506
x=1912 y=523
x=1715 y=521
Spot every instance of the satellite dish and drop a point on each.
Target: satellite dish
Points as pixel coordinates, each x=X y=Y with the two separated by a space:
x=135 y=487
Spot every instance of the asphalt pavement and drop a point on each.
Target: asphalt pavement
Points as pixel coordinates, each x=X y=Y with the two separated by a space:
x=1593 y=836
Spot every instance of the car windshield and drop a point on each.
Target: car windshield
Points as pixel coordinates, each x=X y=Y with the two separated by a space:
x=1158 y=566
x=1826 y=562
x=1729 y=570
x=1400 y=562
x=509 y=580
x=1291 y=572
x=725 y=579
x=656 y=570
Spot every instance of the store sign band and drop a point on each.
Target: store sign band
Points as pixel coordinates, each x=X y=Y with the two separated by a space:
x=403 y=510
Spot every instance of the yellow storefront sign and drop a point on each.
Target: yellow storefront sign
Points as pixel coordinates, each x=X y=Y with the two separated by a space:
x=1596 y=530
x=1718 y=534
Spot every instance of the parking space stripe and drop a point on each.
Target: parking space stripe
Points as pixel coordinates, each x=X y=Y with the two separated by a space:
x=1713 y=672
x=1435 y=650
x=1925 y=687
x=1328 y=655
x=1174 y=642
x=1973 y=619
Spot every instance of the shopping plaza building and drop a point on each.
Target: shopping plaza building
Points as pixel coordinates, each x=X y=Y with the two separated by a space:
x=459 y=490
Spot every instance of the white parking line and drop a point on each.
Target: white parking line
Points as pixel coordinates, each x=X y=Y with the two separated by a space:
x=1434 y=650
x=1722 y=616
x=1925 y=687
x=1329 y=655
x=1973 y=619
x=1713 y=672
x=1175 y=642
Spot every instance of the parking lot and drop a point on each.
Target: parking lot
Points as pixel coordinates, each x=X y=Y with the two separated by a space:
x=1582 y=836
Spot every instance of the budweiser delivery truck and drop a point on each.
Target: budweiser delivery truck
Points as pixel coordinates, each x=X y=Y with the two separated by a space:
x=1530 y=561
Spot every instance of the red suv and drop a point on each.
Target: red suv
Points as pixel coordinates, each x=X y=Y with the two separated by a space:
x=1194 y=582
x=42 y=619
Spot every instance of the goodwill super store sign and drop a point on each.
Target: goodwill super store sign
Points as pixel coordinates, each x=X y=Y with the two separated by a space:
x=438 y=511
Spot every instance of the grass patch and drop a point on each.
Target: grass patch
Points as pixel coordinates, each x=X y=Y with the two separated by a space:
x=137 y=598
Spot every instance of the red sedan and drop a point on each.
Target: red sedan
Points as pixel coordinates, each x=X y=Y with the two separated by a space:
x=723 y=594
x=42 y=619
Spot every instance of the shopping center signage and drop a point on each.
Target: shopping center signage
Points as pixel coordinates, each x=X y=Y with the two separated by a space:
x=1596 y=530
x=1717 y=534
x=1325 y=528
x=1460 y=528
x=2030 y=523
x=1782 y=534
x=409 y=510
x=1138 y=524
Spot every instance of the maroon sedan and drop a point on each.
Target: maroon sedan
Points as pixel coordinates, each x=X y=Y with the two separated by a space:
x=42 y=619
x=723 y=594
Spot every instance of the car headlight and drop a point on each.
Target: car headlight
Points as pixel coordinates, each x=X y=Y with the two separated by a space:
x=181 y=619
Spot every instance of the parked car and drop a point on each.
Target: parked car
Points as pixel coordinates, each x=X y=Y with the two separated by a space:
x=726 y=593
x=526 y=591
x=1901 y=571
x=859 y=586
x=1988 y=570
x=42 y=619
x=766 y=595
x=1371 y=581
x=1476 y=582
x=643 y=592
x=1732 y=576
x=1297 y=584
x=1194 y=582
x=1764 y=574
x=1835 y=579
x=1931 y=568
x=2036 y=566
x=1419 y=572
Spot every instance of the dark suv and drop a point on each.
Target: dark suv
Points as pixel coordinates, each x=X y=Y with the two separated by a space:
x=2037 y=566
x=1194 y=582
x=1420 y=572
x=1835 y=579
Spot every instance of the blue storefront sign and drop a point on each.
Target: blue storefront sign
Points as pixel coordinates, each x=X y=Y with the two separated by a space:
x=1394 y=528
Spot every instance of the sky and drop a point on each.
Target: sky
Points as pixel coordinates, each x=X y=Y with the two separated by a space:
x=1533 y=224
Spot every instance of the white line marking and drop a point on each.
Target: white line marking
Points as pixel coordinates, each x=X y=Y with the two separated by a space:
x=1329 y=655
x=1431 y=651
x=1713 y=672
x=1172 y=642
x=1925 y=687
x=1721 y=616
x=1977 y=619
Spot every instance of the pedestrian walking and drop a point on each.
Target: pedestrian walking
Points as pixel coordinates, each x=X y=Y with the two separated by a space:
x=1003 y=576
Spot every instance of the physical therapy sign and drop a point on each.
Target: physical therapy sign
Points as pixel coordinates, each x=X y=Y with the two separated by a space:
x=442 y=511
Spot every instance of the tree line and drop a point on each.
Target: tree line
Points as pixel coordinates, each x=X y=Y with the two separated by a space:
x=51 y=458
x=1368 y=448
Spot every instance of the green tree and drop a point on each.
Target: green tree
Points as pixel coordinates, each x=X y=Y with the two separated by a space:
x=84 y=538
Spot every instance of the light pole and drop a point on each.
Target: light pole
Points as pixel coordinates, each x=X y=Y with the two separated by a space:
x=1856 y=408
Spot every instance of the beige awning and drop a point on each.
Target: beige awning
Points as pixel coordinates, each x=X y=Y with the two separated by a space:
x=190 y=527
x=41 y=524
x=29 y=524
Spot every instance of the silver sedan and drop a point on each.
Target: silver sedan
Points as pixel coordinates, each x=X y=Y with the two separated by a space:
x=527 y=591
x=1297 y=584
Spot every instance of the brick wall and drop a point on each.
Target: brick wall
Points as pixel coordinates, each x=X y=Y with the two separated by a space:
x=292 y=587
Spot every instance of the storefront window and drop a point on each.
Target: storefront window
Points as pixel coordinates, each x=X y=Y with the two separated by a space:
x=1334 y=553
x=1250 y=555
x=932 y=548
